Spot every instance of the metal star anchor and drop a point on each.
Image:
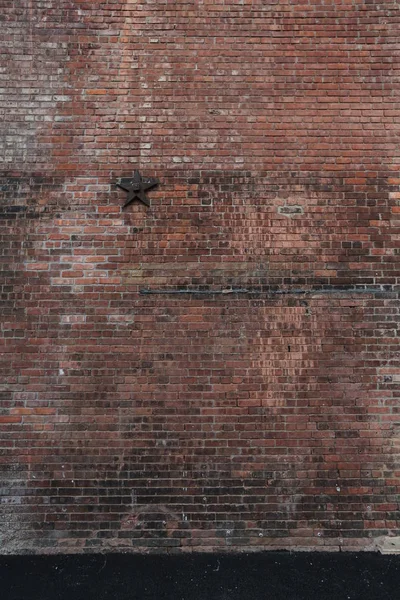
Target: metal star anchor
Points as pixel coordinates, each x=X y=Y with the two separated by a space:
x=137 y=187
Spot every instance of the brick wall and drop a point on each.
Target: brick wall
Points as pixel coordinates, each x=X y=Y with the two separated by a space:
x=219 y=370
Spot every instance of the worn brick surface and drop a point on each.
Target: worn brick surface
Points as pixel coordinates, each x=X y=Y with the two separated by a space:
x=220 y=370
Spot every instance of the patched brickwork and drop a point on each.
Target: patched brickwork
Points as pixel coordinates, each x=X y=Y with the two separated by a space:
x=220 y=370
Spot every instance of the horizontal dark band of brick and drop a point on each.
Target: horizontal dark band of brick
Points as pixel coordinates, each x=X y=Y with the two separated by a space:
x=384 y=290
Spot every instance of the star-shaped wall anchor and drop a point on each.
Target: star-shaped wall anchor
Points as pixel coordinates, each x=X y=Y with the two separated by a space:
x=136 y=187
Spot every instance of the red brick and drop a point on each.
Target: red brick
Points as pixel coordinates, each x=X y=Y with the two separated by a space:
x=256 y=419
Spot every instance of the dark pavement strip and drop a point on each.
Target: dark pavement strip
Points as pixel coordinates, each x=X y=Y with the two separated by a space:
x=258 y=576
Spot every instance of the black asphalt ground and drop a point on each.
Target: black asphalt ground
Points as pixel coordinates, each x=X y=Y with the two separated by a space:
x=264 y=576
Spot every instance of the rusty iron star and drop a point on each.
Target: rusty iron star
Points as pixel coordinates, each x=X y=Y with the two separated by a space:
x=137 y=187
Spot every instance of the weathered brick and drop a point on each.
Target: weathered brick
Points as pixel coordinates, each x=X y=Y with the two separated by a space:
x=219 y=370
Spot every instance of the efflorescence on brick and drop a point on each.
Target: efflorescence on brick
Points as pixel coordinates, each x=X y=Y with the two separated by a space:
x=219 y=371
